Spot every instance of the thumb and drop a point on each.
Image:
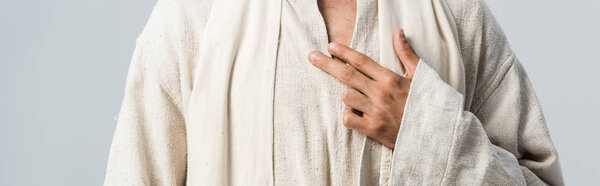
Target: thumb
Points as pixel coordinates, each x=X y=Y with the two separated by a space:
x=405 y=53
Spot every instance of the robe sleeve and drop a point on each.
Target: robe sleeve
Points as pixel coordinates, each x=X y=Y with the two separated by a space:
x=441 y=144
x=149 y=144
x=494 y=134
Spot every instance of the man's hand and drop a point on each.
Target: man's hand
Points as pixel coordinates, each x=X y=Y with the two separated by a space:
x=377 y=96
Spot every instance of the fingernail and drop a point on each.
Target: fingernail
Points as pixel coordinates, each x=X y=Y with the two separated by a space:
x=314 y=56
x=333 y=46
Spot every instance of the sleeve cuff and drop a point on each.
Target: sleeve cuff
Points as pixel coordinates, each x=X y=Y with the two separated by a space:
x=427 y=130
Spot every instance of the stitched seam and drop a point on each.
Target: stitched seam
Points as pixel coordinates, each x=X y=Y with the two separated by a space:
x=456 y=119
x=495 y=83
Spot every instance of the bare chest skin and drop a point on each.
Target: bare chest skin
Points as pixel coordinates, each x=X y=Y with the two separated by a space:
x=340 y=18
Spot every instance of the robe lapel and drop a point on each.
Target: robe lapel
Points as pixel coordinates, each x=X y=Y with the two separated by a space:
x=230 y=115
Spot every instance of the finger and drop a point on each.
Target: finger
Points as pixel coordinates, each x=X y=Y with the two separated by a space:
x=405 y=53
x=358 y=60
x=356 y=100
x=345 y=73
x=353 y=121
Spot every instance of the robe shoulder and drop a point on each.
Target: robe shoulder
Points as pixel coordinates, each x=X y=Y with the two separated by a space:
x=481 y=37
x=486 y=52
x=169 y=42
x=175 y=19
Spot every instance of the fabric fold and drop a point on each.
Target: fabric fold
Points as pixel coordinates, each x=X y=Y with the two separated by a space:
x=233 y=134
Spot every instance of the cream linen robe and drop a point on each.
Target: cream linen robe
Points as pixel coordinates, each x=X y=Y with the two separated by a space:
x=198 y=107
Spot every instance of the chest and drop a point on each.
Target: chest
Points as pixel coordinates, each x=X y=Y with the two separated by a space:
x=230 y=114
x=340 y=18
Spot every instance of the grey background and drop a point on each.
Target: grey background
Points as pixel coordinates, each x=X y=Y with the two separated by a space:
x=63 y=65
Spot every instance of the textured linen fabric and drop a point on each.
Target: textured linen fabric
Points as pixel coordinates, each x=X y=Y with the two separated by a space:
x=199 y=102
x=311 y=145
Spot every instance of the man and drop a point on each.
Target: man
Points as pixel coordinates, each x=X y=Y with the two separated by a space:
x=328 y=92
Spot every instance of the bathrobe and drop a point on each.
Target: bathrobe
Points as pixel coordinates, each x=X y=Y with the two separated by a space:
x=202 y=92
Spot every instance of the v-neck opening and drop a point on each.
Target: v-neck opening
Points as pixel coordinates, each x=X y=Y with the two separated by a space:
x=323 y=25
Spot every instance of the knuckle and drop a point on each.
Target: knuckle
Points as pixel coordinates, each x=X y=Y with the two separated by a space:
x=346 y=120
x=375 y=127
x=347 y=73
x=382 y=94
x=360 y=58
x=375 y=92
x=383 y=70
x=393 y=80
x=346 y=95
x=378 y=112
